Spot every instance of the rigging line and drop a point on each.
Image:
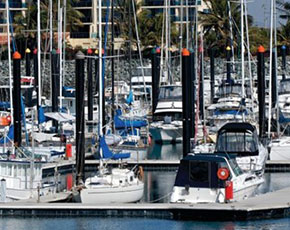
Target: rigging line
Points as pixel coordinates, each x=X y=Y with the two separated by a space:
x=11 y=30
x=105 y=42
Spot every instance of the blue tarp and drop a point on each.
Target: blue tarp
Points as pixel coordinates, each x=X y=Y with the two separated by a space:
x=4 y=105
x=283 y=119
x=68 y=91
x=10 y=135
x=121 y=123
x=108 y=154
x=230 y=112
x=129 y=99
x=41 y=117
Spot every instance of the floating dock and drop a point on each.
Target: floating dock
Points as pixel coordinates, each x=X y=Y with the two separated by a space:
x=271 y=205
x=153 y=165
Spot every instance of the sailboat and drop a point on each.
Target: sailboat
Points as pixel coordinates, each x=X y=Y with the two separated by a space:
x=115 y=185
x=167 y=118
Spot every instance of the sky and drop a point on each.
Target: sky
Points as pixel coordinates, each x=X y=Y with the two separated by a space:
x=260 y=10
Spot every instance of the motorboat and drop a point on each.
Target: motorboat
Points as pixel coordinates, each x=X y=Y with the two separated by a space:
x=167 y=118
x=241 y=140
x=212 y=178
x=229 y=105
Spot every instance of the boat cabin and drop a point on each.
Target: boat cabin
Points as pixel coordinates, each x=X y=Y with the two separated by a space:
x=239 y=138
x=201 y=170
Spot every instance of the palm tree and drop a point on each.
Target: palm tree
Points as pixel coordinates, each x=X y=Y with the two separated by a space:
x=25 y=26
x=149 y=25
x=284 y=32
x=216 y=22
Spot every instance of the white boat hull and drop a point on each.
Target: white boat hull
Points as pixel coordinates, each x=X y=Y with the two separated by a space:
x=166 y=134
x=107 y=194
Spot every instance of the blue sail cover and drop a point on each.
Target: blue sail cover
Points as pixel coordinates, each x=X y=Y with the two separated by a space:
x=4 y=105
x=129 y=99
x=41 y=116
x=68 y=91
x=10 y=135
x=230 y=112
x=108 y=154
x=121 y=123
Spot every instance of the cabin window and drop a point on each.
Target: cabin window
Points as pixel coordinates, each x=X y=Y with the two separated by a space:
x=170 y=93
x=199 y=171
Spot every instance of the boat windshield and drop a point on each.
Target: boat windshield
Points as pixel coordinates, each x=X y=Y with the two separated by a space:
x=225 y=90
x=138 y=72
x=239 y=142
x=168 y=116
x=170 y=93
x=284 y=87
x=235 y=167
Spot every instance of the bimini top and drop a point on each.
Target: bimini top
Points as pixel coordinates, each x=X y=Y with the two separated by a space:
x=217 y=157
x=238 y=138
x=237 y=127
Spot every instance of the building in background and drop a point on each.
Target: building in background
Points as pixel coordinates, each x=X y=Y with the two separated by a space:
x=86 y=35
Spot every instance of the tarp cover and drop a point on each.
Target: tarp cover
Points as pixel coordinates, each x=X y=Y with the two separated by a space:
x=60 y=117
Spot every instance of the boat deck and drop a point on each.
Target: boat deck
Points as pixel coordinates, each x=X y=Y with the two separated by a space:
x=270 y=205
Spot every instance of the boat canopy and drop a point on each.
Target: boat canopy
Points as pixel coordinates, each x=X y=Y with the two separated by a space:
x=60 y=117
x=239 y=138
x=200 y=170
x=226 y=89
x=170 y=93
x=284 y=87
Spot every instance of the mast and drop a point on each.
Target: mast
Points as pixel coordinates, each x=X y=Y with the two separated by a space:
x=275 y=70
x=38 y=53
x=63 y=45
x=60 y=12
x=100 y=77
x=9 y=60
x=270 y=72
x=242 y=52
x=112 y=54
x=180 y=36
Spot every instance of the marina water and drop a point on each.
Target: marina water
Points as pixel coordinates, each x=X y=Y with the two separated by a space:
x=158 y=186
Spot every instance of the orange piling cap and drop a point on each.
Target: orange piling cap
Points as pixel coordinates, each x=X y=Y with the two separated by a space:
x=185 y=52
x=35 y=51
x=28 y=51
x=228 y=48
x=261 y=49
x=90 y=51
x=16 y=55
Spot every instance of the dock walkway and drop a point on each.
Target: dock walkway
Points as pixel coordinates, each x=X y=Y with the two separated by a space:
x=271 y=205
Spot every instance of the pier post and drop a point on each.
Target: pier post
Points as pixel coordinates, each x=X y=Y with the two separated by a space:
x=155 y=65
x=186 y=72
x=27 y=62
x=35 y=70
x=212 y=77
x=274 y=80
x=228 y=53
x=90 y=85
x=80 y=118
x=97 y=71
x=261 y=90
x=54 y=86
x=192 y=93
x=17 y=98
x=283 y=50
x=201 y=87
